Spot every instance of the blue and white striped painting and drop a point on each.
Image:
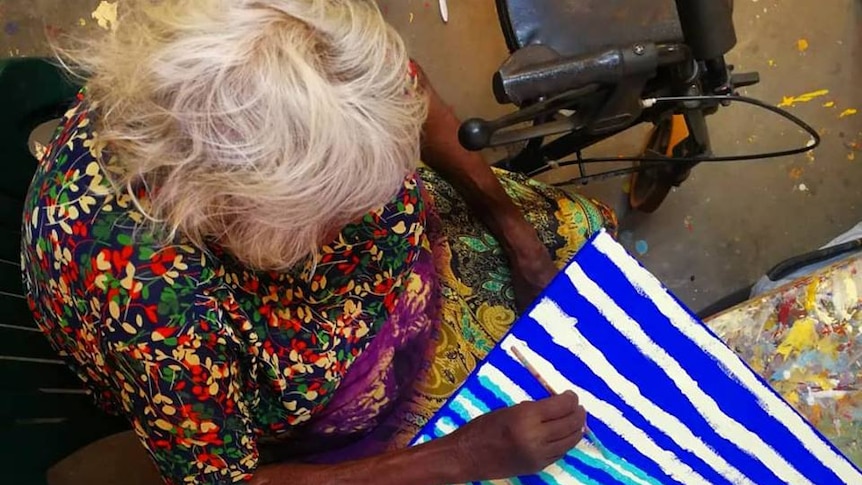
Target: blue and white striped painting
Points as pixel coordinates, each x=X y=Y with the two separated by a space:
x=667 y=401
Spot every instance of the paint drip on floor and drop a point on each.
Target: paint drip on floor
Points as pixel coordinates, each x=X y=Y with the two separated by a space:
x=790 y=101
x=642 y=247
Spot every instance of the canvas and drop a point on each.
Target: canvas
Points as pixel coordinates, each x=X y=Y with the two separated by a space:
x=668 y=402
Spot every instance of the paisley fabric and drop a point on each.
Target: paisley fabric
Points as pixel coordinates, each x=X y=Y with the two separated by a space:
x=219 y=368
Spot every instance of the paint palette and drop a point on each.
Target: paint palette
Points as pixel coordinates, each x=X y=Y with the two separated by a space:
x=668 y=402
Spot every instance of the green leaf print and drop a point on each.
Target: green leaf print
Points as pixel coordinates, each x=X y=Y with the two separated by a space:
x=475 y=244
x=168 y=304
x=493 y=285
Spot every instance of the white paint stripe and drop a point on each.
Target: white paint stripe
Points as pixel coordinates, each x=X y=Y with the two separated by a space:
x=422 y=439
x=472 y=411
x=445 y=426
x=562 y=477
x=608 y=414
x=514 y=391
x=564 y=333
x=724 y=425
x=646 y=284
x=590 y=450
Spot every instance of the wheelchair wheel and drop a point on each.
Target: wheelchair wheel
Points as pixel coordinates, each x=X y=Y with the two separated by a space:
x=651 y=184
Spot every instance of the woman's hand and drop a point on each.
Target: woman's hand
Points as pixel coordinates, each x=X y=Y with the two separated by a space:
x=520 y=440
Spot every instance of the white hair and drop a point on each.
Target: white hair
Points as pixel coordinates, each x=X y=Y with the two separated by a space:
x=260 y=125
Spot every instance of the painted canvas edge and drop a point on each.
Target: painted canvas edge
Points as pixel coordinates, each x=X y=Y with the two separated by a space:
x=560 y=274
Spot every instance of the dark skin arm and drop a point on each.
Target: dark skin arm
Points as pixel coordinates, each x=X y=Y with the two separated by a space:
x=519 y=440
x=531 y=264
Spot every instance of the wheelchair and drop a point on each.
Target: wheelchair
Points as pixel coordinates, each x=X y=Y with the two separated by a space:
x=582 y=71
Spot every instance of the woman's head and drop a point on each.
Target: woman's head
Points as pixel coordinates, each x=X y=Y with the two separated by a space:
x=263 y=125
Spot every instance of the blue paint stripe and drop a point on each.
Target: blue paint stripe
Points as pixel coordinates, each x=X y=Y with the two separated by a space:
x=586 y=378
x=577 y=474
x=496 y=391
x=591 y=462
x=736 y=401
x=574 y=366
x=619 y=461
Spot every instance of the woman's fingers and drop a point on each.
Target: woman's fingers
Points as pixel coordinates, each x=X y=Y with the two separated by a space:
x=565 y=427
x=564 y=445
x=558 y=406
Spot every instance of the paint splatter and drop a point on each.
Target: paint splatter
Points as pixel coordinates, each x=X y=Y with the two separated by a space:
x=788 y=101
x=82 y=22
x=847 y=112
x=802 y=188
x=411 y=17
x=627 y=238
x=689 y=223
x=642 y=247
x=810 y=156
x=851 y=156
x=796 y=173
x=771 y=63
x=11 y=28
x=106 y=15
x=802 y=45
x=627 y=186
x=829 y=104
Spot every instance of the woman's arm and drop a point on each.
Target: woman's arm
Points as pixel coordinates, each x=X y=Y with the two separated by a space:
x=530 y=260
x=432 y=463
x=514 y=441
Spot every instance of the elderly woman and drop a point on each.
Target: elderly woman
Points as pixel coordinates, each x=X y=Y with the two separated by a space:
x=231 y=244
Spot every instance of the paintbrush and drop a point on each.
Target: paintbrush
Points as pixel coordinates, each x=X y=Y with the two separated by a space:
x=526 y=363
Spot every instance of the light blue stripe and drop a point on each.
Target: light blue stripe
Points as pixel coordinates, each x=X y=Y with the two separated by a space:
x=548 y=478
x=447 y=421
x=460 y=410
x=607 y=468
x=466 y=394
x=494 y=388
x=619 y=461
x=574 y=472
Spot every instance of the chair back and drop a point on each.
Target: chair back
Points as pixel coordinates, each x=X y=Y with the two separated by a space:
x=44 y=412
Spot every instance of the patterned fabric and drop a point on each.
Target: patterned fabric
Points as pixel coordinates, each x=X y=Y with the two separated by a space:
x=216 y=365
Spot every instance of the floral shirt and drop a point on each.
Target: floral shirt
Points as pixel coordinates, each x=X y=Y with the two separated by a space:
x=203 y=356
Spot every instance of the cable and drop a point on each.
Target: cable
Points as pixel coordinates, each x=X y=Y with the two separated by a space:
x=814 y=143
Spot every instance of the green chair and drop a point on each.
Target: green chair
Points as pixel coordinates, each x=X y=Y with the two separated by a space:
x=44 y=413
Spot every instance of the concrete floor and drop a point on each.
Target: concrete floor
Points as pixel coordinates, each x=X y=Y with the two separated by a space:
x=730 y=222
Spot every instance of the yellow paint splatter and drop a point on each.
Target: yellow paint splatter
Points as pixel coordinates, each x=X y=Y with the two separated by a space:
x=627 y=187
x=851 y=156
x=801 y=336
x=788 y=101
x=847 y=112
x=829 y=104
x=411 y=17
x=82 y=22
x=106 y=15
x=771 y=63
x=810 y=296
x=802 y=45
x=796 y=173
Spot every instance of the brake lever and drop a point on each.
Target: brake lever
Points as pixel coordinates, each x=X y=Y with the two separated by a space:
x=476 y=133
